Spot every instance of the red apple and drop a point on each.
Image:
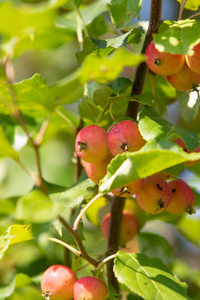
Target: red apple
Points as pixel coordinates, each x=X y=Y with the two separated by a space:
x=182 y=198
x=154 y=196
x=90 y=288
x=129 y=189
x=185 y=79
x=91 y=144
x=57 y=283
x=97 y=171
x=193 y=61
x=129 y=227
x=163 y=63
x=125 y=136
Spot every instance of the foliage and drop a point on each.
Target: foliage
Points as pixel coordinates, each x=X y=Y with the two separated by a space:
x=65 y=65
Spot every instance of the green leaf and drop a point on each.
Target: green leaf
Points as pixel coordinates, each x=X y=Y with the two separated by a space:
x=154 y=245
x=152 y=126
x=7 y=207
x=88 y=47
x=105 y=69
x=177 y=37
x=88 y=12
x=14 y=234
x=188 y=105
x=5 y=148
x=36 y=207
x=191 y=4
x=124 y=11
x=152 y=158
x=93 y=211
x=146 y=98
x=33 y=97
x=7 y=290
x=18 y=20
x=149 y=278
x=189 y=227
x=120 y=85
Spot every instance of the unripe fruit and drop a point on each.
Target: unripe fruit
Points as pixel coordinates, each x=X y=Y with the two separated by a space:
x=182 y=145
x=182 y=198
x=129 y=227
x=125 y=136
x=194 y=60
x=164 y=175
x=163 y=63
x=129 y=189
x=91 y=144
x=154 y=196
x=57 y=283
x=185 y=79
x=90 y=288
x=97 y=171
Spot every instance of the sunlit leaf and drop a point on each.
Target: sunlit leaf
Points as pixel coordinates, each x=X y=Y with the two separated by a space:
x=189 y=105
x=149 y=278
x=177 y=37
x=5 y=148
x=14 y=234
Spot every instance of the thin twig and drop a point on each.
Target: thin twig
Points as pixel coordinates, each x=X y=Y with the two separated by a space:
x=194 y=15
x=67 y=120
x=82 y=212
x=79 y=243
x=181 y=9
x=42 y=131
x=105 y=260
x=72 y=249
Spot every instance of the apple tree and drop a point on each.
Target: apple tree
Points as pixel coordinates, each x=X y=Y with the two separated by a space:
x=99 y=150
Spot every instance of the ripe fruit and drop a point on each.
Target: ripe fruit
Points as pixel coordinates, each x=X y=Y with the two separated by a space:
x=91 y=144
x=129 y=189
x=163 y=63
x=185 y=79
x=182 y=145
x=97 y=171
x=194 y=60
x=129 y=227
x=154 y=196
x=125 y=136
x=57 y=283
x=90 y=288
x=182 y=197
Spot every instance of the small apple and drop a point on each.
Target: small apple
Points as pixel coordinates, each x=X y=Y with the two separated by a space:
x=129 y=226
x=57 y=283
x=185 y=79
x=129 y=189
x=124 y=136
x=182 y=198
x=154 y=196
x=163 y=63
x=91 y=144
x=193 y=61
x=97 y=171
x=90 y=288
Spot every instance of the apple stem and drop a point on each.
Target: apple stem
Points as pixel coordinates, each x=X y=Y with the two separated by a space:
x=72 y=249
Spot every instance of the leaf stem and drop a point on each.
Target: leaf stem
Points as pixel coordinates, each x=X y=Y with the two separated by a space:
x=82 y=212
x=194 y=15
x=67 y=120
x=105 y=260
x=183 y=2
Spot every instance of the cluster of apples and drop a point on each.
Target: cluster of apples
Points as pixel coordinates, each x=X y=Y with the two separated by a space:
x=182 y=71
x=61 y=283
x=154 y=194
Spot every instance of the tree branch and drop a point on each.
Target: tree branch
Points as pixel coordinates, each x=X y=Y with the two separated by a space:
x=117 y=206
x=141 y=70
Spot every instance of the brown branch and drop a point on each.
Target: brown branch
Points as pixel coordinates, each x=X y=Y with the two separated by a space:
x=141 y=70
x=83 y=252
x=117 y=206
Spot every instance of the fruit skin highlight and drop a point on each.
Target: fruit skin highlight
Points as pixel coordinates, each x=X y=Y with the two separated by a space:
x=58 y=283
x=163 y=63
x=182 y=198
x=193 y=61
x=154 y=196
x=90 y=288
x=185 y=79
x=91 y=144
x=125 y=136
x=129 y=227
